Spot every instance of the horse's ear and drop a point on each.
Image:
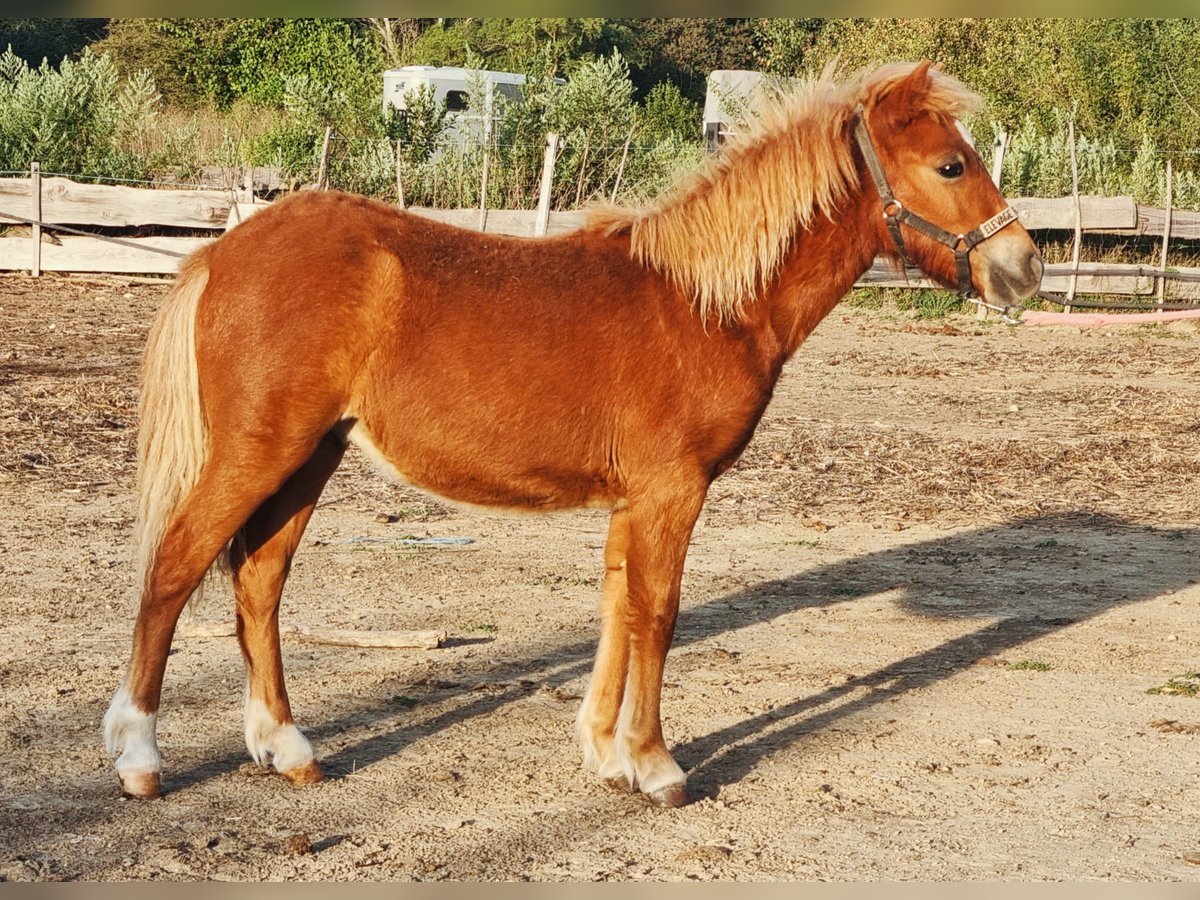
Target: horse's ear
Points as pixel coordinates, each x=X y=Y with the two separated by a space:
x=907 y=98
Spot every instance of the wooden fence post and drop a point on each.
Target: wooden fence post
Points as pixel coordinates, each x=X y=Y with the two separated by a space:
x=483 y=185
x=1078 y=217
x=587 y=145
x=1162 y=258
x=323 y=170
x=999 y=149
x=35 y=196
x=543 y=207
x=621 y=167
x=400 y=178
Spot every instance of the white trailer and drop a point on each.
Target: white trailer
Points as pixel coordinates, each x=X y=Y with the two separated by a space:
x=452 y=85
x=729 y=92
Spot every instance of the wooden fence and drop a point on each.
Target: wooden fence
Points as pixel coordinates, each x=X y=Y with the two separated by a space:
x=61 y=201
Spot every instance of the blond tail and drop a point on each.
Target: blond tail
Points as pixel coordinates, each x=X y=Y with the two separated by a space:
x=173 y=435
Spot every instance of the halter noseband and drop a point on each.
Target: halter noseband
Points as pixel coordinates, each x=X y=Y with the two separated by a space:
x=896 y=214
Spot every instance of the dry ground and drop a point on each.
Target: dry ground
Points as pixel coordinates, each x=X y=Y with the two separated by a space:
x=920 y=621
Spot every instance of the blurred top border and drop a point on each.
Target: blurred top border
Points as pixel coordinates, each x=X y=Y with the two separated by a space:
x=608 y=8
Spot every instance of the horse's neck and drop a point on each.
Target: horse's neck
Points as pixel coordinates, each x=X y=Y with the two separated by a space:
x=820 y=268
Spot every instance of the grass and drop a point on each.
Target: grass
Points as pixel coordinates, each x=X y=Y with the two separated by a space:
x=554 y=581
x=922 y=303
x=1161 y=331
x=1031 y=665
x=209 y=137
x=1186 y=685
x=477 y=627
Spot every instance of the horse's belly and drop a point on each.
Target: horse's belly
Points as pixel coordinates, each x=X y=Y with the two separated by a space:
x=507 y=476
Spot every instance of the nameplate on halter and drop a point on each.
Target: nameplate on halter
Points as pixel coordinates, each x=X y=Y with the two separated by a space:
x=998 y=221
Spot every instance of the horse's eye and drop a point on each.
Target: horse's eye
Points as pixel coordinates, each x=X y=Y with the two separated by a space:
x=951 y=170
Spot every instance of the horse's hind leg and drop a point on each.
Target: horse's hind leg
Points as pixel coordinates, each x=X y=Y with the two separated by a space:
x=196 y=533
x=260 y=558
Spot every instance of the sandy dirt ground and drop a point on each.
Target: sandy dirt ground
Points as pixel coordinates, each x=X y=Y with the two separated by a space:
x=938 y=623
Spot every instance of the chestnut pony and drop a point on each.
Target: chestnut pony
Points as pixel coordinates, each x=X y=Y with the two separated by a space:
x=624 y=365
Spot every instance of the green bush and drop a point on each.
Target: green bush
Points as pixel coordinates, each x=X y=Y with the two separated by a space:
x=1038 y=164
x=594 y=114
x=254 y=59
x=666 y=113
x=80 y=119
x=603 y=133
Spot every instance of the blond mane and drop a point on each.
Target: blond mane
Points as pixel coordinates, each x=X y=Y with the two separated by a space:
x=721 y=232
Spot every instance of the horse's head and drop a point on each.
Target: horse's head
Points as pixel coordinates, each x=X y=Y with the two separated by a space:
x=939 y=207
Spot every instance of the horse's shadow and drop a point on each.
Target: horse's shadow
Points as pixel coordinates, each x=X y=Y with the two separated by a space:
x=1022 y=580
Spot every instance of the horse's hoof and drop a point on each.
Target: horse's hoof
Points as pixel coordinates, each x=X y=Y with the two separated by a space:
x=141 y=785
x=619 y=783
x=671 y=797
x=310 y=773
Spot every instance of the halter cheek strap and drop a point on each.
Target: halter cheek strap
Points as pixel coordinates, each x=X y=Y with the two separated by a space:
x=896 y=214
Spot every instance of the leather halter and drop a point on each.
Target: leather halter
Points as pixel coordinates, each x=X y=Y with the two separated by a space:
x=896 y=214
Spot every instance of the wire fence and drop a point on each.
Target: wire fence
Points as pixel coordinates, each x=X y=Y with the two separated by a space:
x=1033 y=166
x=470 y=172
x=634 y=170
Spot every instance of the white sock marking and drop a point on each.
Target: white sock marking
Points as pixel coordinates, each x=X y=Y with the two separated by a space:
x=129 y=735
x=269 y=741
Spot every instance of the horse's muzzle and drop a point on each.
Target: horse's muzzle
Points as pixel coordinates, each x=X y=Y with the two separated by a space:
x=1010 y=277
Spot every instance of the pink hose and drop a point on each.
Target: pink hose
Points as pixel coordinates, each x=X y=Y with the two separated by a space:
x=1098 y=320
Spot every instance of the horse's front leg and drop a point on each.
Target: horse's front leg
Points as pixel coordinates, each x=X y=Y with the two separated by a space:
x=596 y=725
x=642 y=603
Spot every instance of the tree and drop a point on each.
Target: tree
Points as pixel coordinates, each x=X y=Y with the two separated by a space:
x=79 y=118
x=396 y=36
x=666 y=113
x=785 y=44
x=685 y=51
x=34 y=40
x=541 y=46
x=221 y=61
x=142 y=45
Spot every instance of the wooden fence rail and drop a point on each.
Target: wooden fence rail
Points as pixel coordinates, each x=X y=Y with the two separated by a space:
x=66 y=202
